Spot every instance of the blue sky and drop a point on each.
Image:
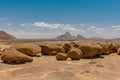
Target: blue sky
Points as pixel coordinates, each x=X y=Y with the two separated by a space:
x=49 y=18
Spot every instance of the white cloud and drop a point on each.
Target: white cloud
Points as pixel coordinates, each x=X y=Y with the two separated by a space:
x=93 y=27
x=8 y=24
x=27 y=25
x=51 y=26
x=43 y=24
x=68 y=27
x=3 y=19
x=117 y=28
x=82 y=24
x=23 y=25
x=105 y=32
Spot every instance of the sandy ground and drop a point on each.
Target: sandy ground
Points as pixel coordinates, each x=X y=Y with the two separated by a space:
x=47 y=68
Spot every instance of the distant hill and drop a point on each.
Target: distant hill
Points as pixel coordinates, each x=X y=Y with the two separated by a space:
x=96 y=38
x=5 y=36
x=65 y=36
x=68 y=36
x=79 y=36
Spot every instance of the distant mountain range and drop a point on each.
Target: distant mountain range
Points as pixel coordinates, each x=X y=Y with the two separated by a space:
x=5 y=36
x=68 y=36
x=96 y=38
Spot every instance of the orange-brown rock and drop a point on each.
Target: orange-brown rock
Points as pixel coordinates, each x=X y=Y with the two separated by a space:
x=116 y=46
x=11 y=55
x=75 y=54
x=28 y=49
x=118 y=51
x=90 y=49
x=61 y=56
x=69 y=45
x=51 y=49
x=107 y=47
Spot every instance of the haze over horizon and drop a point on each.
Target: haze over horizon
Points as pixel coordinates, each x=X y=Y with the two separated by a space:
x=50 y=18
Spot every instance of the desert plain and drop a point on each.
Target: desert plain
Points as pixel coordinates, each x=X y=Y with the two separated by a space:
x=46 y=67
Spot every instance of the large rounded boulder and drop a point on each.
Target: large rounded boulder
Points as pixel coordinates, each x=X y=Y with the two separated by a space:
x=116 y=46
x=2 y=47
x=28 y=49
x=61 y=56
x=11 y=55
x=107 y=47
x=90 y=49
x=75 y=54
x=69 y=45
x=51 y=49
x=1 y=50
x=118 y=51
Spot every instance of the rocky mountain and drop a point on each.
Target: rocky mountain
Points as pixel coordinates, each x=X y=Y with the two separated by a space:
x=68 y=36
x=5 y=36
x=65 y=36
x=79 y=36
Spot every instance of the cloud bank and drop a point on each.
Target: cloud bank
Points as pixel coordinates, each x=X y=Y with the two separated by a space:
x=51 y=26
x=3 y=19
x=51 y=30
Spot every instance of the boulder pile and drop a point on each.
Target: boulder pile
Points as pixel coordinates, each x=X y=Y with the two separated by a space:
x=75 y=50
